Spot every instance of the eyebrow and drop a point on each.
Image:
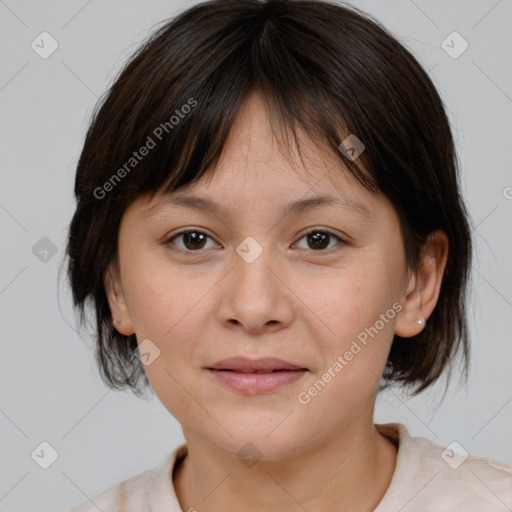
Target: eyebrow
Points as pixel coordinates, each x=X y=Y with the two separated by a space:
x=294 y=208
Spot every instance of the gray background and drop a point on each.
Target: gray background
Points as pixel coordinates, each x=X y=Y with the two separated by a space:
x=50 y=389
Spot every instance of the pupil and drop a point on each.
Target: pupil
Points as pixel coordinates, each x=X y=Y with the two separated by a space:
x=320 y=240
x=317 y=240
x=193 y=237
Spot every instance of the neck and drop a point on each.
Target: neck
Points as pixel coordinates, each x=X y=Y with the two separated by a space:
x=350 y=471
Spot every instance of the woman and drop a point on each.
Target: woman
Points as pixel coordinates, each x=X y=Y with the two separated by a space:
x=269 y=219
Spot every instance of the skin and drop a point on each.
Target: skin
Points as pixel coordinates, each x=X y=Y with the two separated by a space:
x=296 y=302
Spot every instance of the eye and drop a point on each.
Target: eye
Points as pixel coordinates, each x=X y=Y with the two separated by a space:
x=318 y=239
x=193 y=240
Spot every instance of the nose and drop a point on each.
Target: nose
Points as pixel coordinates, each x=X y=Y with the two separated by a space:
x=255 y=297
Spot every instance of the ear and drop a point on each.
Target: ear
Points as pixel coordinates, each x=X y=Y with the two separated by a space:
x=423 y=286
x=116 y=299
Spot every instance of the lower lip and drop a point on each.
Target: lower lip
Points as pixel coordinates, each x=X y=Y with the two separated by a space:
x=255 y=383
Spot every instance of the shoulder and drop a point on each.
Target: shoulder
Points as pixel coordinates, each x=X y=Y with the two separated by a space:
x=137 y=493
x=466 y=479
x=430 y=477
x=127 y=495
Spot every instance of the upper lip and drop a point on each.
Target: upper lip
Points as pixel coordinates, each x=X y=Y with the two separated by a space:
x=244 y=364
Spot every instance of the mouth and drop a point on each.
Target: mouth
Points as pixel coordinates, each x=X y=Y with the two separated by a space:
x=255 y=376
x=242 y=364
x=253 y=371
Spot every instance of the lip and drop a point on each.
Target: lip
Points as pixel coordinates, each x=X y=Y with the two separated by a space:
x=245 y=375
x=244 y=364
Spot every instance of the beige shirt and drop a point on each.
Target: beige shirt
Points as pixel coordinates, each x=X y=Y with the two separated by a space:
x=427 y=478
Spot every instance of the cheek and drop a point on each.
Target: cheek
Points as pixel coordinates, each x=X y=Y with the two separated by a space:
x=349 y=303
x=357 y=309
x=163 y=309
x=159 y=296
x=171 y=309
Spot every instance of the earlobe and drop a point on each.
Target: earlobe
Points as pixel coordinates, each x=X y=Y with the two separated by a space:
x=115 y=295
x=424 y=286
x=411 y=319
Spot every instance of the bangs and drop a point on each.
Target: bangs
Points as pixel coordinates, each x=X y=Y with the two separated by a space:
x=181 y=114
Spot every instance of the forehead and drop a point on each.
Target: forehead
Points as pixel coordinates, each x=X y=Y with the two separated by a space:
x=257 y=145
x=257 y=168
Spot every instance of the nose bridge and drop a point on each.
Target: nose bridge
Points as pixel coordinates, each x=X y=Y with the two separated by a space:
x=255 y=297
x=252 y=263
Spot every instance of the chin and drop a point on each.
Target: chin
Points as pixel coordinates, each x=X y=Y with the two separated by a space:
x=258 y=440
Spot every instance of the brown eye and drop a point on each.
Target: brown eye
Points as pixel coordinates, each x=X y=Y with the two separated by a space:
x=193 y=240
x=318 y=240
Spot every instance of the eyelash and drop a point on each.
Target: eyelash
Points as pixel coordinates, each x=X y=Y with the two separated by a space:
x=185 y=232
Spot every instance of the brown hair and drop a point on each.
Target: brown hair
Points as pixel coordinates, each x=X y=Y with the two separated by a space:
x=326 y=68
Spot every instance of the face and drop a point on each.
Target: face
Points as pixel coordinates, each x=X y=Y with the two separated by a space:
x=249 y=281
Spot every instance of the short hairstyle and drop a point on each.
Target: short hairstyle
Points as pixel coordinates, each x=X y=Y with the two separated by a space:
x=322 y=67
